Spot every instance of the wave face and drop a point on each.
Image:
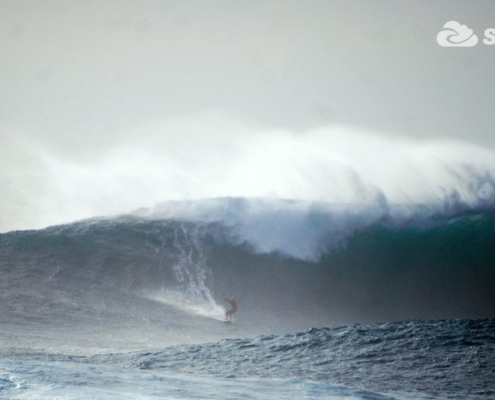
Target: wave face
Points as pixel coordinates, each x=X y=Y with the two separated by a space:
x=291 y=265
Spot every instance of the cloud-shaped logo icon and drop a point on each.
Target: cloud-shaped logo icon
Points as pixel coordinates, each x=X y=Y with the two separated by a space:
x=454 y=34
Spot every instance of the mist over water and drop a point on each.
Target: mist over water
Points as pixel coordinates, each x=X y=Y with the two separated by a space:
x=214 y=157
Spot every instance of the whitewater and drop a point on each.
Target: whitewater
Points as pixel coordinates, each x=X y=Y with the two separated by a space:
x=336 y=301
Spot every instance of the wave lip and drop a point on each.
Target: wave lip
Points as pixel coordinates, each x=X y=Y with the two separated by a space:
x=301 y=229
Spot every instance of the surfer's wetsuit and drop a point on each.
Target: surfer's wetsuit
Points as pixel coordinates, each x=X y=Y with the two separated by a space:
x=233 y=308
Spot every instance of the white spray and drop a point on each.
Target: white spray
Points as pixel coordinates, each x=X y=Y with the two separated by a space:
x=192 y=293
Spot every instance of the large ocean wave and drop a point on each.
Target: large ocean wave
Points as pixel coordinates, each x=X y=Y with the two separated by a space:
x=291 y=264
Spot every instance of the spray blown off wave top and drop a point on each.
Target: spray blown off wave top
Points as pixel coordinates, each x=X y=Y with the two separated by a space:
x=179 y=160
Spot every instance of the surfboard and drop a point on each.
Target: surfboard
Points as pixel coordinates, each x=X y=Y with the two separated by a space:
x=227 y=322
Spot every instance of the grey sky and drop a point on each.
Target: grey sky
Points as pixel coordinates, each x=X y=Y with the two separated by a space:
x=80 y=79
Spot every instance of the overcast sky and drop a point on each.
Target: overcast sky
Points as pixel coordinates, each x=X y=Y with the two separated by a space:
x=106 y=106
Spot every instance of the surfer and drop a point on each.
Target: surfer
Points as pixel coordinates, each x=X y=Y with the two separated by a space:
x=233 y=309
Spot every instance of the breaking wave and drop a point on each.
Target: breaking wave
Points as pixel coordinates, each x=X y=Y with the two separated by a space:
x=292 y=264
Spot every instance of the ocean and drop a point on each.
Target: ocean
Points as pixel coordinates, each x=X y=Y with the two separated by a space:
x=336 y=301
